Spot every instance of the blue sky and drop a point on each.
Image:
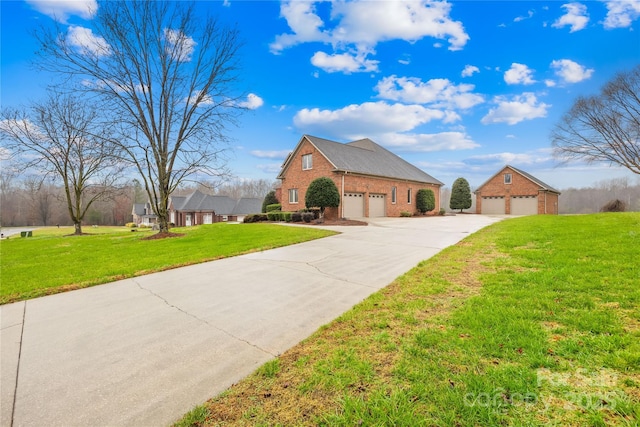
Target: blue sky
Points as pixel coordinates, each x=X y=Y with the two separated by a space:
x=456 y=88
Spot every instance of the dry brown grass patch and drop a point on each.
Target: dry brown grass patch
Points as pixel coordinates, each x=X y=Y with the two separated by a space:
x=372 y=332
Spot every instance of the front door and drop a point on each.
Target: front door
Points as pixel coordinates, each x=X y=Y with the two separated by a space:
x=187 y=220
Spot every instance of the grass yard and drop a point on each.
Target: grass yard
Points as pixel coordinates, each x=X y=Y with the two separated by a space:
x=532 y=321
x=53 y=261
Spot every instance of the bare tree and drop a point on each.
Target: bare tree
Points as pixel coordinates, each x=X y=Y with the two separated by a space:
x=166 y=74
x=239 y=188
x=58 y=138
x=8 y=192
x=605 y=127
x=42 y=199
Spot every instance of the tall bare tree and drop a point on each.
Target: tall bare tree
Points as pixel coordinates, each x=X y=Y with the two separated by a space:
x=63 y=138
x=604 y=127
x=42 y=199
x=166 y=74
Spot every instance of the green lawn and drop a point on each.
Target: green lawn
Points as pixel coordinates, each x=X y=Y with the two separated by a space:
x=53 y=261
x=532 y=321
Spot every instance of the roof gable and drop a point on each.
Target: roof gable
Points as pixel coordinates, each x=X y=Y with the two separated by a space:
x=528 y=176
x=248 y=205
x=200 y=202
x=364 y=157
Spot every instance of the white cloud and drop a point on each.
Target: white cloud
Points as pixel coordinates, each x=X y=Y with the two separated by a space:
x=253 y=102
x=368 y=118
x=359 y=25
x=179 y=46
x=510 y=158
x=576 y=17
x=86 y=42
x=427 y=142
x=344 y=62
x=519 y=108
x=275 y=154
x=522 y=18
x=366 y=22
x=519 y=74
x=621 y=13
x=441 y=93
x=270 y=168
x=23 y=127
x=303 y=22
x=61 y=10
x=549 y=83
x=387 y=124
x=571 y=72
x=469 y=70
x=405 y=60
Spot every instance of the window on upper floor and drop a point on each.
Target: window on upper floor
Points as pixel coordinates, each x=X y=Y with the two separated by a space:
x=307 y=162
x=394 y=191
x=409 y=196
x=507 y=178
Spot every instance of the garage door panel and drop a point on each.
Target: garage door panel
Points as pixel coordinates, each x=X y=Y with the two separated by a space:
x=353 y=205
x=493 y=206
x=377 y=205
x=524 y=205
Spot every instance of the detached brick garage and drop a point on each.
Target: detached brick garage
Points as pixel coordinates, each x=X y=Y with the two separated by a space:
x=512 y=191
x=372 y=181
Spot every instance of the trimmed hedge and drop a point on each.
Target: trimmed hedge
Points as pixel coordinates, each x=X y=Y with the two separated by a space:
x=279 y=216
x=274 y=207
x=255 y=218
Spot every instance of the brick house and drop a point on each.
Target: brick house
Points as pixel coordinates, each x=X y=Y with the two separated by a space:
x=512 y=191
x=373 y=181
x=142 y=214
x=199 y=208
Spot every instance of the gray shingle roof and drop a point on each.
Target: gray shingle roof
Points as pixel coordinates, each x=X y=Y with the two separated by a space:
x=366 y=157
x=200 y=202
x=248 y=205
x=221 y=205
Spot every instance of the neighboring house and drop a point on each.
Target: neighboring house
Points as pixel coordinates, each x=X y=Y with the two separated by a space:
x=247 y=206
x=199 y=208
x=373 y=181
x=143 y=214
x=512 y=191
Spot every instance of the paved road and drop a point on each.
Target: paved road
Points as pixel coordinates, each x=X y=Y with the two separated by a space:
x=143 y=351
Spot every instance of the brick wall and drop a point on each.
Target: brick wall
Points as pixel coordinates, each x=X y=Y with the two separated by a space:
x=520 y=186
x=296 y=177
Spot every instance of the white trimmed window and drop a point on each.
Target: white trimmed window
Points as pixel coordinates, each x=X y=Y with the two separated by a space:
x=409 y=196
x=507 y=178
x=394 y=195
x=293 y=195
x=307 y=162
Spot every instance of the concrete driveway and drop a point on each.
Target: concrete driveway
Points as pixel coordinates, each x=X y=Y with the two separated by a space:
x=143 y=351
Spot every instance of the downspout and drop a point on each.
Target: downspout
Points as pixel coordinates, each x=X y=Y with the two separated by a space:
x=342 y=197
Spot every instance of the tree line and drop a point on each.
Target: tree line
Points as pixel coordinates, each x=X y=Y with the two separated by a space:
x=32 y=202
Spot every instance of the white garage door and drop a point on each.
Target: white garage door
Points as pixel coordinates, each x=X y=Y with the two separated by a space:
x=207 y=218
x=353 y=205
x=524 y=205
x=376 y=205
x=493 y=205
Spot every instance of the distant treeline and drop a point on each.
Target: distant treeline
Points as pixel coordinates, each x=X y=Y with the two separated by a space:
x=31 y=202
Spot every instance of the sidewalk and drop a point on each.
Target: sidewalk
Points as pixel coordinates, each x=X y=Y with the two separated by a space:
x=143 y=351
